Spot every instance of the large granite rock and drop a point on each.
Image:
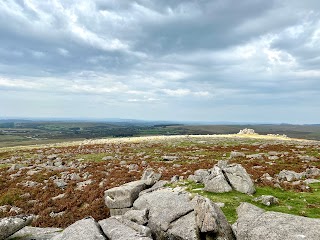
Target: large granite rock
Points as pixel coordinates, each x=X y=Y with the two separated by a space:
x=116 y=230
x=184 y=228
x=256 y=224
x=174 y=215
x=35 y=233
x=290 y=175
x=141 y=229
x=86 y=228
x=156 y=186
x=225 y=177
x=200 y=175
x=10 y=225
x=217 y=184
x=211 y=220
x=150 y=176
x=164 y=206
x=124 y=196
x=239 y=179
x=137 y=216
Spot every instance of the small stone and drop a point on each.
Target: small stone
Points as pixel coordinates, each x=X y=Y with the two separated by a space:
x=82 y=185
x=58 y=197
x=174 y=179
x=123 y=163
x=133 y=167
x=235 y=154
x=107 y=158
x=267 y=200
x=169 y=158
x=60 y=183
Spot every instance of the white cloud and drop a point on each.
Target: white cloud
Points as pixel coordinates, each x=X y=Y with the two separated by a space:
x=63 y=52
x=19 y=84
x=176 y=92
x=38 y=54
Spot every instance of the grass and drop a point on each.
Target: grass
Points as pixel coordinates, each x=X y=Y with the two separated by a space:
x=313 y=152
x=94 y=157
x=4 y=165
x=298 y=203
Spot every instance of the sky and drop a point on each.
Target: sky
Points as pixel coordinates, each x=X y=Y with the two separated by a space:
x=186 y=60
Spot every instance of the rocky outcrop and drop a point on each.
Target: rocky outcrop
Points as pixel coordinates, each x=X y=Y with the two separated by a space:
x=35 y=233
x=256 y=224
x=120 y=199
x=116 y=230
x=247 y=131
x=86 y=228
x=292 y=178
x=163 y=213
x=290 y=175
x=210 y=219
x=239 y=179
x=10 y=225
x=164 y=206
x=150 y=176
x=224 y=177
x=149 y=210
x=217 y=184
x=174 y=215
x=123 y=197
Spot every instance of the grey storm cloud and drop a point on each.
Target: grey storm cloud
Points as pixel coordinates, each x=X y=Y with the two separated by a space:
x=177 y=60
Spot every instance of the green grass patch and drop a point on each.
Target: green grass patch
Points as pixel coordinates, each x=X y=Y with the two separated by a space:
x=93 y=157
x=313 y=152
x=4 y=165
x=298 y=203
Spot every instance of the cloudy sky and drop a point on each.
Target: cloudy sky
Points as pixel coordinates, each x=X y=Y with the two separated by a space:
x=214 y=60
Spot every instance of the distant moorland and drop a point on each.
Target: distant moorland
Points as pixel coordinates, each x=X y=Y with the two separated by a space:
x=23 y=132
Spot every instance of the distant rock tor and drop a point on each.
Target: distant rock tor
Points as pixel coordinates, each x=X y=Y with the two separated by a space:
x=247 y=131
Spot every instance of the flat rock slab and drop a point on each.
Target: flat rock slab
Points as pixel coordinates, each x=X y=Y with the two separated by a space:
x=86 y=228
x=115 y=230
x=124 y=196
x=156 y=186
x=10 y=225
x=256 y=224
x=35 y=233
x=165 y=206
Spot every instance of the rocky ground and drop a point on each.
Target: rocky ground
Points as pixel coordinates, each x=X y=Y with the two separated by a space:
x=63 y=183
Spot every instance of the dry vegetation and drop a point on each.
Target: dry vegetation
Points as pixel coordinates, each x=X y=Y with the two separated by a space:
x=32 y=188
